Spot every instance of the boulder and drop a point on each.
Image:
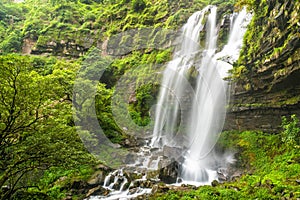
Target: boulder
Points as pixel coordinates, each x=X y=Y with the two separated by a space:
x=169 y=173
x=214 y=183
x=222 y=174
x=78 y=184
x=97 y=191
x=97 y=178
x=172 y=152
x=103 y=167
x=130 y=158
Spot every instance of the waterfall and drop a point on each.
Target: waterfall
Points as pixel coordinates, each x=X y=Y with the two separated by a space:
x=174 y=83
x=194 y=127
x=205 y=117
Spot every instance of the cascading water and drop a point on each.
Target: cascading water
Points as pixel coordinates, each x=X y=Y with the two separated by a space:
x=174 y=83
x=208 y=110
x=207 y=114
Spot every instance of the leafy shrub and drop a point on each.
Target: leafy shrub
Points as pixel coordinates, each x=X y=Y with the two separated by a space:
x=13 y=43
x=163 y=57
x=290 y=133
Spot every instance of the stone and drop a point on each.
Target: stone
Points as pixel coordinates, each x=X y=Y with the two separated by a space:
x=214 y=183
x=132 y=191
x=235 y=176
x=146 y=184
x=103 y=167
x=97 y=191
x=130 y=158
x=222 y=174
x=78 y=184
x=163 y=188
x=169 y=173
x=154 y=189
x=68 y=198
x=97 y=178
x=172 y=152
x=130 y=142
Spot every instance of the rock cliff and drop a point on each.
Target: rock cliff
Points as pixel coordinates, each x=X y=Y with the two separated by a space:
x=266 y=82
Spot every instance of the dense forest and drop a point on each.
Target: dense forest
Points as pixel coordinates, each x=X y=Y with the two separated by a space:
x=65 y=67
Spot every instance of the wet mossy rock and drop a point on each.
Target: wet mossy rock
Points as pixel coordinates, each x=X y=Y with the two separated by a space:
x=266 y=77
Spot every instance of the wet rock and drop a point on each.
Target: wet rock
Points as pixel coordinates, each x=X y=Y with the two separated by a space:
x=152 y=175
x=146 y=184
x=131 y=142
x=169 y=173
x=103 y=167
x=135 y=184
x=260 y=100
x=97 y=191
x=78 y=184
x=187 y=186
x=214 y=183
x=134 y=176
x=235 y=176
x=154 y=189
x=97 y=178
x=111 y=180
x=118 y=184
x=225 y=23
x=130 y=158
x=222 y=174
x=68 y=198
x=154 y=149
x=126 y=186
x=163 y=188
x=132 y=191
x=172 y=152
x=179 y=180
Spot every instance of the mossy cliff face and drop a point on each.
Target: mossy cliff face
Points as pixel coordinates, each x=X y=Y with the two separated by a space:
x=267 y=75
x=69 y=29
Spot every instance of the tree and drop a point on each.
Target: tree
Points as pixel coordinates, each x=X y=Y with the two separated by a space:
x=34 y=130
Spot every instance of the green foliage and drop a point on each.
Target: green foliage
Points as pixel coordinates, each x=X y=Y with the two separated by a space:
x=163 y=57
x=291 y=131
x=12 y=43
x=11 y=17
x=145 y=98
x=105 y=116
x=34 y=125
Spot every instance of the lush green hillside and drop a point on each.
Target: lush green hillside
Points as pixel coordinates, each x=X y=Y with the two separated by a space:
x=70 y=28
